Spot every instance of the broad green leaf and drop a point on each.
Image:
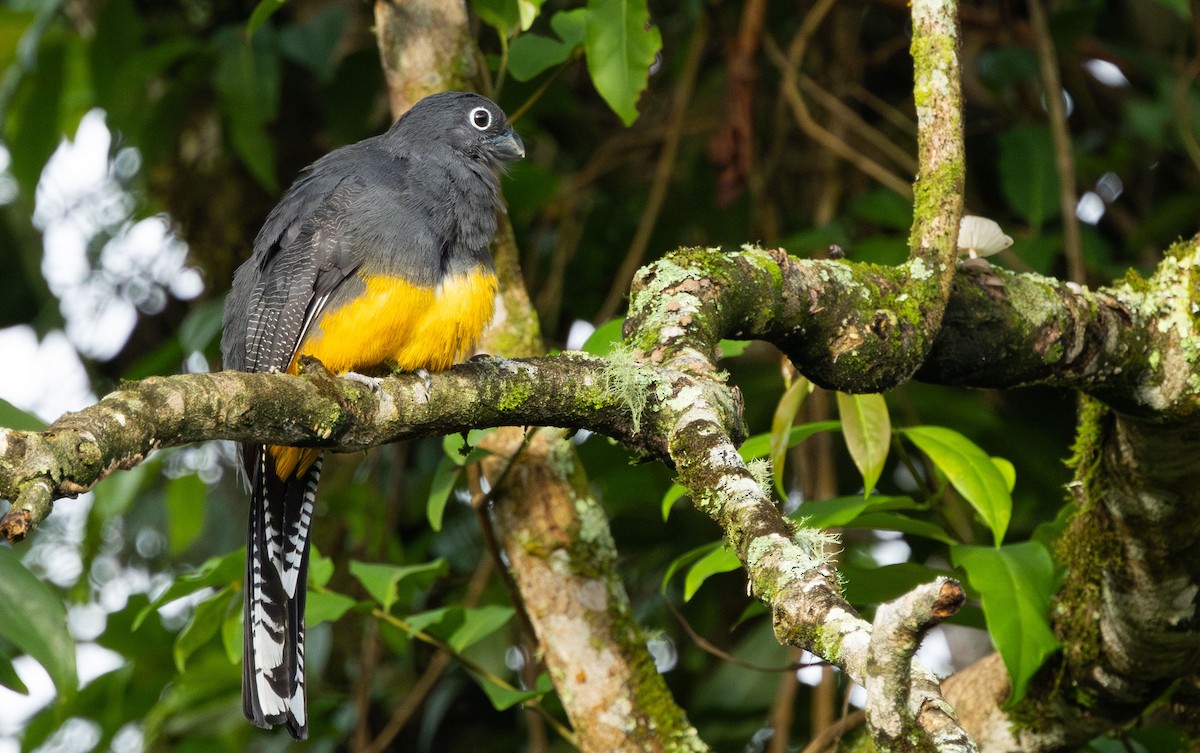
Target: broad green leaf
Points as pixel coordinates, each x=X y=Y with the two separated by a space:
x=502 y=15
x=478 y=623
x=463 y=450
x=686 y=559
x=202 y=326
x=733 y=348
x=1007 y=471
x=264 y=10
x=320 y=568
x=381 y=580
x=326 y=606
x=604 y=338
x=504 y=698
x=781 y=428
x=216 y=572
x=424 y=620
x=867 y=429
x=313 y=43
x=185 y=511
x=719 y=560
x=12 y=417
x=1028 y=177
x=247 y=78
x=890 y=521
x=875 y=585
x=531 y=54
x=231 y=629
x=461 y=627
x=445 y=476
x=759 y=445
x=33 y=620
x=620 y=50
x=8 y=674
x=205 y=622
x=970 y=471
x=670 y=498
x=1015 y=584
x=842 y=511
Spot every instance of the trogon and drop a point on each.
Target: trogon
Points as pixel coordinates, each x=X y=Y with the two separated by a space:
x=376 y=257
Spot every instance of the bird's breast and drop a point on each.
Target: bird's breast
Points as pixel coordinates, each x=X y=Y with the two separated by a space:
x=394 y=321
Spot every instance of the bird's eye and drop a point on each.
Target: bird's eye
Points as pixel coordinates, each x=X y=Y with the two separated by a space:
x=481 y=118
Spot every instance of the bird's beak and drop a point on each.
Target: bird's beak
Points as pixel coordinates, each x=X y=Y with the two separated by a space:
x=508 y=146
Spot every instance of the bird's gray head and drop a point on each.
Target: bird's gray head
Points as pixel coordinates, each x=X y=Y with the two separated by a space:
x=469 y=124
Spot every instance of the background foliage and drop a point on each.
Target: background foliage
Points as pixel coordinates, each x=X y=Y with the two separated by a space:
x=215 y=105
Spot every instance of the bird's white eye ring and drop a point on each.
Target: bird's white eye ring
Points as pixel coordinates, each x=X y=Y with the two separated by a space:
x=481 y=118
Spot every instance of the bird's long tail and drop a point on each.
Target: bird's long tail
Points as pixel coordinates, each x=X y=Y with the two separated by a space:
x=276 y=571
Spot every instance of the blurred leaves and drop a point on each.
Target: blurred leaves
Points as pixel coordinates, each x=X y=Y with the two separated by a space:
x=34 y=621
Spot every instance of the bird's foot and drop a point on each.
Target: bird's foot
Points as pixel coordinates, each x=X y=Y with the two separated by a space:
x=371 y=383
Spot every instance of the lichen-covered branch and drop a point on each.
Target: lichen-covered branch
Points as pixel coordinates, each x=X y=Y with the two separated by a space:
x=894 y=697
x=314 y=409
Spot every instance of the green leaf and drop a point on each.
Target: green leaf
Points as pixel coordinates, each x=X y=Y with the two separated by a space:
x=326 y=606
x=478 y=623
x=719 y=560
x=620 y=50
x=264 y=10
x=205 y=622
x=34 y=621
x=733 y=348
x=502 y=15
x=531 y=54
x=1028 y=177
x=868 y=432
x=12 y=417
x=1007 y=470
x=231 y=629
x=445 y=476
x=1015 y=584
x=781 y=428
x=247 y=78
x=216 y=572
x=842 y=511
x=202 y=326
x=185 y=511
x=888 y=521
x=605 y=338
x=875 y=585
x=670 y=498
x=9 y=676
x=970 y=471
x=759 y=445
x=504 y=698
x=320 y=568
x=312 y=43
x=381 y=580
x=685 y=559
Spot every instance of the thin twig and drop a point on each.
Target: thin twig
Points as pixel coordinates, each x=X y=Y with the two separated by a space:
x=829 y=738
x=403 y=713
x=704 y=645
x=1063 y=158
x=662 y=179
x=893 y=151
x=791 y=91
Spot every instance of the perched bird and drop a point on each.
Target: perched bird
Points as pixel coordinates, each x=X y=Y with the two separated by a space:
x=376 y=257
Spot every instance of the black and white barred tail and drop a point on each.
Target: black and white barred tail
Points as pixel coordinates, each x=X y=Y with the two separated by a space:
x=281 y=512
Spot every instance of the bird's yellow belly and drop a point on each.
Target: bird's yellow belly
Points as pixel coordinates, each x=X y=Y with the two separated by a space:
x=394 y=322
